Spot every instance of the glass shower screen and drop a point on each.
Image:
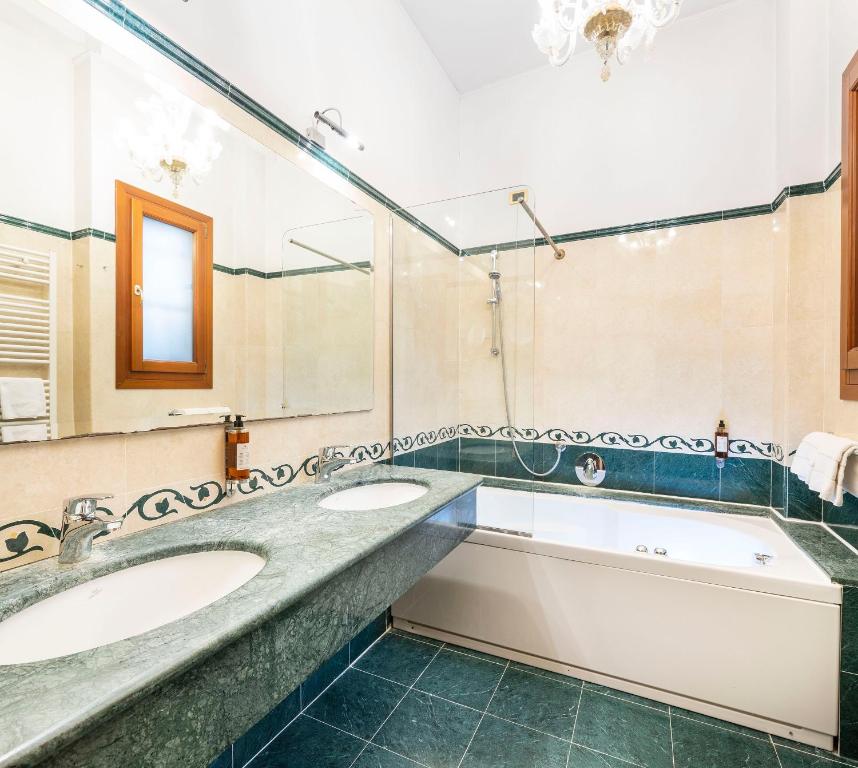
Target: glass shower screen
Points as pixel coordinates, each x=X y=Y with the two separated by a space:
x=463 y=345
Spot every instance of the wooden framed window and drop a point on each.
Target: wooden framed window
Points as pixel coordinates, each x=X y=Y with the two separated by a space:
x=163 y=293
x=849 y=237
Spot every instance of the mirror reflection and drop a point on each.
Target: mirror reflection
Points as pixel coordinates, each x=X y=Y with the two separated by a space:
x=156 y=260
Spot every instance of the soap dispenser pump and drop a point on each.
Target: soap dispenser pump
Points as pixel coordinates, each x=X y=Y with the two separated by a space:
x=237 y=453
x=722 y=444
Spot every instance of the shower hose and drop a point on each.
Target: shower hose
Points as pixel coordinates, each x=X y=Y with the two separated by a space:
x=559 y=448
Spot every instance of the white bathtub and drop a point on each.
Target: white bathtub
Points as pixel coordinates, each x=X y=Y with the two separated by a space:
x=706 y=626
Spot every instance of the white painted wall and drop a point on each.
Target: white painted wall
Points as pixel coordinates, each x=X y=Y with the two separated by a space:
x=843 y=37
x=730 y=106
x=815 y=42
x=685 y=130
x=801 y=84
x=366 y=58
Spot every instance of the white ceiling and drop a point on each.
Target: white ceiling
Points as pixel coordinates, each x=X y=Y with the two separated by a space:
x=480 y=41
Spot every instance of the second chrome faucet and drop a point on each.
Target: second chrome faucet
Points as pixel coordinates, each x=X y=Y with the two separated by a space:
x=328 y=461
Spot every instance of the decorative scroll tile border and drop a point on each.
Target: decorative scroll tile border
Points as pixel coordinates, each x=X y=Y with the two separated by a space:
x=424 y=439
x=23 y=537
x=20 y=544
x=738 y=446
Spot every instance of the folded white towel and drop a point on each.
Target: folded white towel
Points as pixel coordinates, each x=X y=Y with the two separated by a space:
x=22 y=398
x=820 y=461
x=23 y=432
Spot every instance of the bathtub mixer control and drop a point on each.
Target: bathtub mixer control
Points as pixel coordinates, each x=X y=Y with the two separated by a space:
x=590 y=468
x=642 y=548
x=762 y=558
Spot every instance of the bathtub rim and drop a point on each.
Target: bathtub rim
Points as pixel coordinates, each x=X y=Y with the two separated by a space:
x=691 y=503
x=824 y=591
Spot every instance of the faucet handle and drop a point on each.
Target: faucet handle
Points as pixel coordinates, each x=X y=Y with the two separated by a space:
x=83 y=507
x=330 y=451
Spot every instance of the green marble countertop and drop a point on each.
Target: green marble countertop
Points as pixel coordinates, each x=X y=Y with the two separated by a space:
x=45 y=705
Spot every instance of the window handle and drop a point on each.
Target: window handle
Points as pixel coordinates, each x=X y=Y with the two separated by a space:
x=138 y=291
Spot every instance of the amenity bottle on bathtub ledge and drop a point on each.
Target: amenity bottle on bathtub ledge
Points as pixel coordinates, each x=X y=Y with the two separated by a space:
x=722 y=444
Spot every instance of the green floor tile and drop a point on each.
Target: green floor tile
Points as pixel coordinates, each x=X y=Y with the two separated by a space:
x=579 y=757
x=698 y=745
x=790 y=758
x=625 y=696
x=376 y=757
x=417 y=638
x=714 y=721
x=478 y=654
x=429 y=730
x=308 y=743
x=546 y=673
x=803 y=756
x=464 y=679
x=357 y=703
x=537 y=702
x=397 y=658
x=499 y=744
x=631 y=732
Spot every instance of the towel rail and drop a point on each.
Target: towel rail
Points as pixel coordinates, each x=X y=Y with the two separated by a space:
x=28 y=323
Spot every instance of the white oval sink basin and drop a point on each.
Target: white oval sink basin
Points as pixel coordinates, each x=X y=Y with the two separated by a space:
x=373 y=496
x=123 y=604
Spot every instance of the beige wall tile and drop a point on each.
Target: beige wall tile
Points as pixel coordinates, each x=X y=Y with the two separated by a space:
x=39 y=476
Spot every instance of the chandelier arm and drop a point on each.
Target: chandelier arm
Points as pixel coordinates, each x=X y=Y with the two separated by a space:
x=660 y=22
x=564 y=6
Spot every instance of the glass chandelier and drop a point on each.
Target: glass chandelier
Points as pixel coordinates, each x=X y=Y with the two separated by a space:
x=615 y=27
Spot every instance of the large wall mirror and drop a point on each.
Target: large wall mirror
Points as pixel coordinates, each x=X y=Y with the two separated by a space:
x=156 y=260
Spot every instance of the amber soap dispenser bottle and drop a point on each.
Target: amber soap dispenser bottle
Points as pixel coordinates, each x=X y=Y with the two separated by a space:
x=237 y=451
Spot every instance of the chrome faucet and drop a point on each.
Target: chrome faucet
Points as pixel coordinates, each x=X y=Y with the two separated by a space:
x=81 y=525
x=328 y=461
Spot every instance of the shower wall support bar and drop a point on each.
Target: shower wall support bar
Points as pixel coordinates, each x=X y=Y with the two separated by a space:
x=327 y=256
x=521 y=199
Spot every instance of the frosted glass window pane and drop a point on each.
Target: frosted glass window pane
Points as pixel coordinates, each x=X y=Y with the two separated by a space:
x=168 y=292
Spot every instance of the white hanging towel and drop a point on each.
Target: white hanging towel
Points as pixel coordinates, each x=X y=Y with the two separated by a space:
x=23 y=432
x=820 y=461
x=22 y=398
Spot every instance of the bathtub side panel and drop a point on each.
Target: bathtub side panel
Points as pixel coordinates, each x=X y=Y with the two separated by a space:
x=716 y=644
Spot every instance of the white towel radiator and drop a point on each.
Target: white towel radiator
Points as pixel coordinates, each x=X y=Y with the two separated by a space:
x=28 y=324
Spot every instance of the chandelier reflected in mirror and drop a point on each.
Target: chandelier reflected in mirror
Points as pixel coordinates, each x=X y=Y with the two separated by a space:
x=162 y=144
x=614 y=27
